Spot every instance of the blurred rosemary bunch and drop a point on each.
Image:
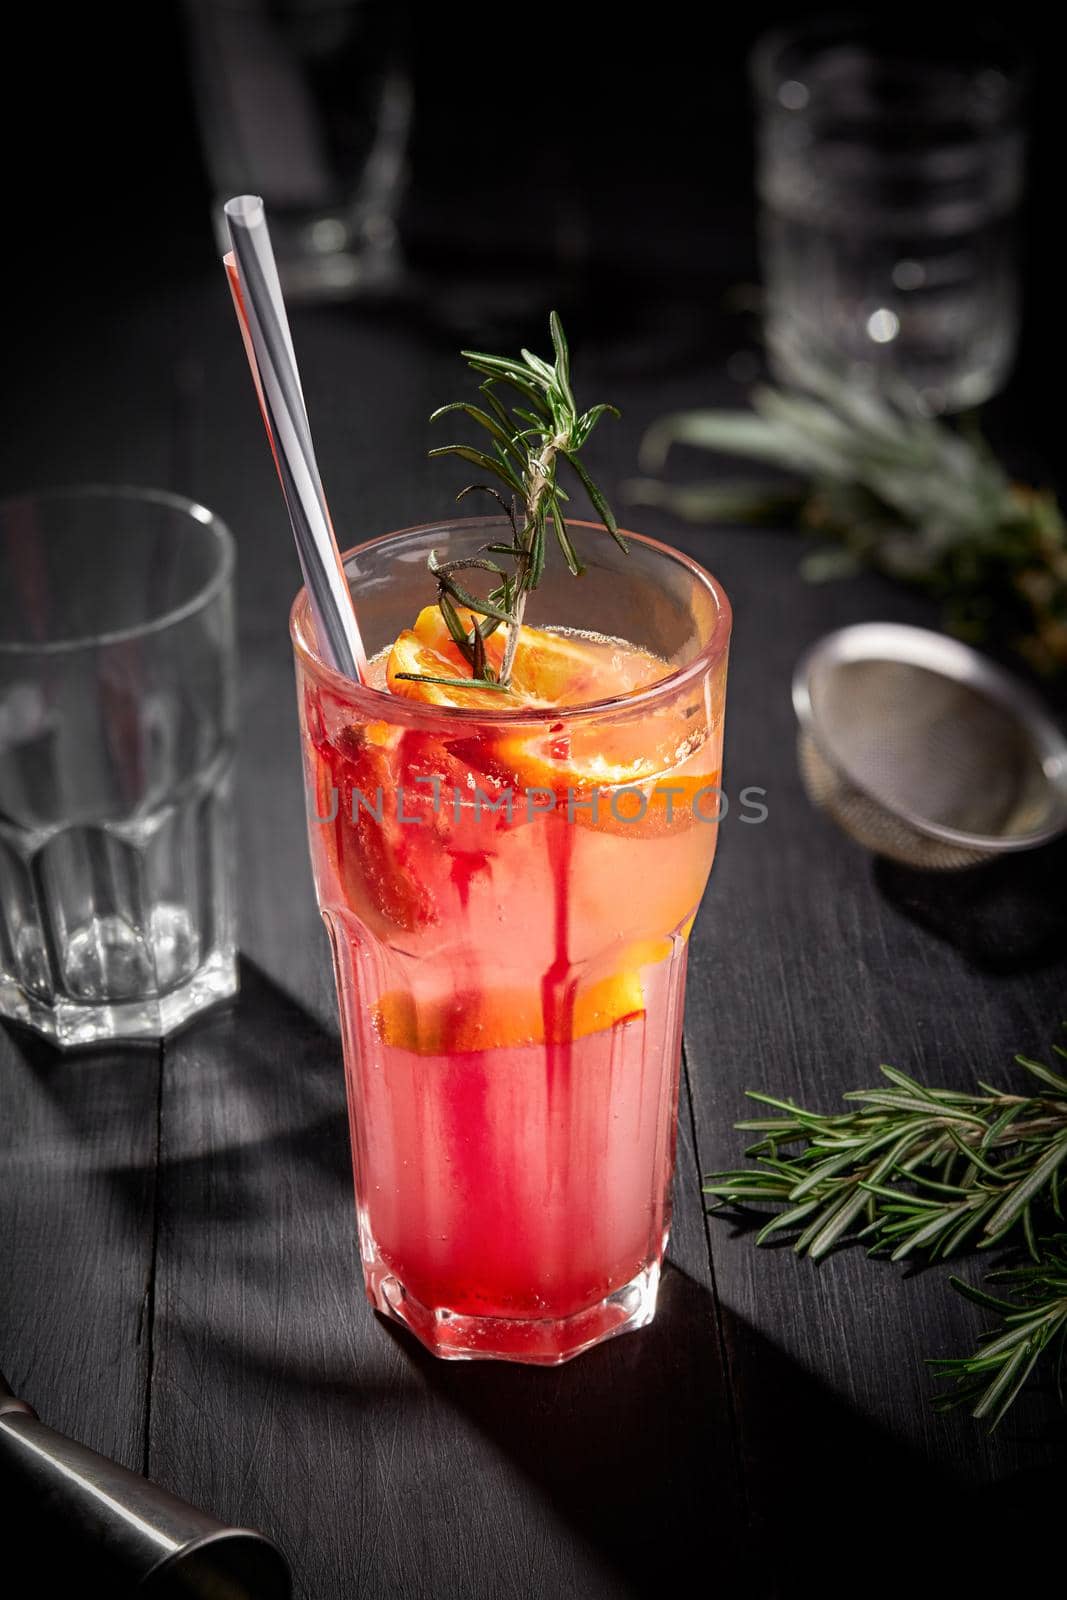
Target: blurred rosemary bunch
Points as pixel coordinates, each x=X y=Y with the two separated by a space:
x=917 y=498
x=916 y=1172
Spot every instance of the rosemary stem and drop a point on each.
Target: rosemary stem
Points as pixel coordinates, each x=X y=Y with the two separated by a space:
x=513 y=639
x=527 y=444
x=540 y=477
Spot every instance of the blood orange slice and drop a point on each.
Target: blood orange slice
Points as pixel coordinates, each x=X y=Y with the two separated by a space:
x=496 y=1019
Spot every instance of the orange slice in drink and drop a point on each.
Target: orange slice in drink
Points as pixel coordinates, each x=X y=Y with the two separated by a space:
x=655 y=756
x=640 y=778
x=569 y=670
x=431 y=629
x=410 y=654
x=499 y=1019
x=558 y=669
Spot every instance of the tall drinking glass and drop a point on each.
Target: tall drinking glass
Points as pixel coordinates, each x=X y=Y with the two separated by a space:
x=116 y=748
x=890 y=171
x=509 y=897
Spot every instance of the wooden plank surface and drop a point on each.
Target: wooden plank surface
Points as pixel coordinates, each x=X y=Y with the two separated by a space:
x=77 y=1220
x=270 y=1392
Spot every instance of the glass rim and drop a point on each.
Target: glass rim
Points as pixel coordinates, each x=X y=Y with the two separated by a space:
x=226 y=551
x=424 y=713
x=992 y=40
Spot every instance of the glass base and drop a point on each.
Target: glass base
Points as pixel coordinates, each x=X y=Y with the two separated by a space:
x=69 y=1023
x=933 y=382
x=534 y=1341
x=328 y=255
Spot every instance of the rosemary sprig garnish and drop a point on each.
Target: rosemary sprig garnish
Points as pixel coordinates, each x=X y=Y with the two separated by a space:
x=915 y=1170
x=923 y=501
x=526 y=446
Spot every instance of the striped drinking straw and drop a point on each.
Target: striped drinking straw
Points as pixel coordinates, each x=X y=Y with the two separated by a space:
x=257 y=299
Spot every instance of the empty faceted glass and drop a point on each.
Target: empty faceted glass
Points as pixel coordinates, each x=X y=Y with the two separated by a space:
x=116 y=754
x=890 y=170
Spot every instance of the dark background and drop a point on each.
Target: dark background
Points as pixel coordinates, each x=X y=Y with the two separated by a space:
x=597 y=156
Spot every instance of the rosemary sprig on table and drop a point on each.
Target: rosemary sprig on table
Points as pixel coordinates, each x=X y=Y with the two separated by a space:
x=915 y=1168
x=525 y=448
x=928 y=1171
x=1032 y=1325
x=923 y=501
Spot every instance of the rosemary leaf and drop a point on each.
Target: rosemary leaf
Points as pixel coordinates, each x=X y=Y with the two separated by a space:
x=502 y=437
x=454 y=683
x=917 y=1171
x=478 y=458
x=527 y=444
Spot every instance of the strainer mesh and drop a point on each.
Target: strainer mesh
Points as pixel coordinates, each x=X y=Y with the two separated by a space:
x=891 y=742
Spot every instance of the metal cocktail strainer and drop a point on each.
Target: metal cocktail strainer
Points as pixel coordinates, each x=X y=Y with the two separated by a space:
x=923 y=750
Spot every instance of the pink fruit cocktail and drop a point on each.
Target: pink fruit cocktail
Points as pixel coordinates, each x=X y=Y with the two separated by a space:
x=509 y=892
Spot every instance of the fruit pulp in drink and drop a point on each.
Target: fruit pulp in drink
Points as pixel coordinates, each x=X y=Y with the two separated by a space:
x=509 y=906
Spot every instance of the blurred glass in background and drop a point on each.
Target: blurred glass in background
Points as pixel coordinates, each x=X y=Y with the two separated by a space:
x=890 y=169
x=308 y=104
x=117 y=696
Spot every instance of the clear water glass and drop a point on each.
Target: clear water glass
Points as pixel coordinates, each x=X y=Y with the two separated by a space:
x=308 y=103
x=889 y=177
x=117 y=730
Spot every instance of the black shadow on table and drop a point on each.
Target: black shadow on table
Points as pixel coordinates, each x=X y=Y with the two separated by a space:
x=270 y=1053
x=631 y=1444
x=631 y=1448
x=262 y=1061
x=106 y=1097
x=1005 y=916
x=48 y=1063
x=839 y=1505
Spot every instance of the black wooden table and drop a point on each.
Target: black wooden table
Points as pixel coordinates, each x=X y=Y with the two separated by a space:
x=180 y=1284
